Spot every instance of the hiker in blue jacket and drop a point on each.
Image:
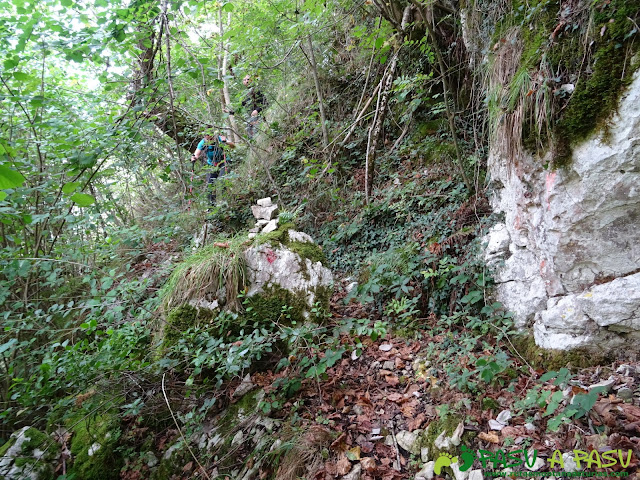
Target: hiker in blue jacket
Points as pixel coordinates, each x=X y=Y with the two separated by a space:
x=214 y=159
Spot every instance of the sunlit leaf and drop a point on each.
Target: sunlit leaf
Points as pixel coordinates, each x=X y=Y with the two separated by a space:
x=10 y=178
x=82 y=199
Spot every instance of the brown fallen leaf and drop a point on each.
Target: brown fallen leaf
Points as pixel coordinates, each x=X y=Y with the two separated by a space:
x=368 y=464
x=221 y=244
x=513 y=432
x=340 y=443
x=395 y=397
x=343 y=466
x=489 y=437
x=392 y=380
x=416 y=422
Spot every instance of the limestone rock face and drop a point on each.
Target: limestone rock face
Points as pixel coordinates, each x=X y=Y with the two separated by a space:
x=569 y=249
x=28 y=456
x=277 y=267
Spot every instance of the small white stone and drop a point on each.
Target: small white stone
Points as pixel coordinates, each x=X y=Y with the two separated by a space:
x=93 y=449
x=537 y=465
x=237 y=438
x=476 y=475
x=570 y=464
x=427 y=471
x=271 y=226
x=245 y=386
x=299 y=237
x=264 y=202
x=385 y=347
x=424 y=454
x=264 y=213
x=350 y=287
x=504 y=417
x=457 y=473
x=496 y=425
x=607 y=384
x=407 y=440
x=252 y=235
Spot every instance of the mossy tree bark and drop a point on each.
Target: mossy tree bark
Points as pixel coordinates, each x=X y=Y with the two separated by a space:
x=383 y=100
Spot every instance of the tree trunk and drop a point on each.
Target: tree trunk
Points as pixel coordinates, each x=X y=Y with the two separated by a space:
x=314 y=69
x=226 y=97
x=376 y=128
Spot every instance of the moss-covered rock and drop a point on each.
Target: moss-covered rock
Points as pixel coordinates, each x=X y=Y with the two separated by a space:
x=288 y=280
x=556 y=359
x=570 y=72
x=29 y=454
x=93 y=446
x=181 y=319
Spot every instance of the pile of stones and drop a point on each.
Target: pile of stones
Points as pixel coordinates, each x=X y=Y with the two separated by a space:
x=266 y=214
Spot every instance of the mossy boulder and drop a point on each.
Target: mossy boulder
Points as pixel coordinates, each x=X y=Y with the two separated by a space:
x=181 y=319
x=29 y=454
x=93 y=446
x=286 y=275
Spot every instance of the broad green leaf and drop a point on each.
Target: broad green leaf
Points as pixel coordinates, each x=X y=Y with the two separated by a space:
x=21 y=76
x=70 y=187
x=11 y=63
x=82 y=199
x=10 y=178
x=3 y=195
x=379 y=42
x=227 y=7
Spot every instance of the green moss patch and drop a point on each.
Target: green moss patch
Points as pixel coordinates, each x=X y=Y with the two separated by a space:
x=592 y=49
x=181 y=319
x=555 y=359
x=275 y=304
x=93 y=446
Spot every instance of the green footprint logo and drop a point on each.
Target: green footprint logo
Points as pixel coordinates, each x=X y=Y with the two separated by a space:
x=468 y=457
x=444 y=460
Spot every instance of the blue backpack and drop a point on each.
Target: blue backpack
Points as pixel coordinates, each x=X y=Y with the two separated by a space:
x=214 y=152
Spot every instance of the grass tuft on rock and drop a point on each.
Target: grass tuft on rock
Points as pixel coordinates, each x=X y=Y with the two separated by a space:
x=215 y=268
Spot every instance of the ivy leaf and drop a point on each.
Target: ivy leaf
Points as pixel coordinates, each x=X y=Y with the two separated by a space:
x=10 y=178
x=82 y=199
x=556 y=398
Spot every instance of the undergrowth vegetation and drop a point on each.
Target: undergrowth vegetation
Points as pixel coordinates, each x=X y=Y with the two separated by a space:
x=120 y=329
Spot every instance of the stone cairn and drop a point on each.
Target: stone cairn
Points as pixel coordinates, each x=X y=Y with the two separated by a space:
x=266 y=214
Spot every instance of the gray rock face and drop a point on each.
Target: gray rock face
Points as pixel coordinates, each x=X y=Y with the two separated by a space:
x=567 y=252
x=280 y=267
x=264 y=213
x=27 y=456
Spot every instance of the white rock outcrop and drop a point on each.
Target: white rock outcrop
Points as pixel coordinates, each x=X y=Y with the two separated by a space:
x=567 y=255
x=277 y=266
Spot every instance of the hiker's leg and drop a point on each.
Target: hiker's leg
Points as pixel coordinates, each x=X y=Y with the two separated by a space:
x=211 y=180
